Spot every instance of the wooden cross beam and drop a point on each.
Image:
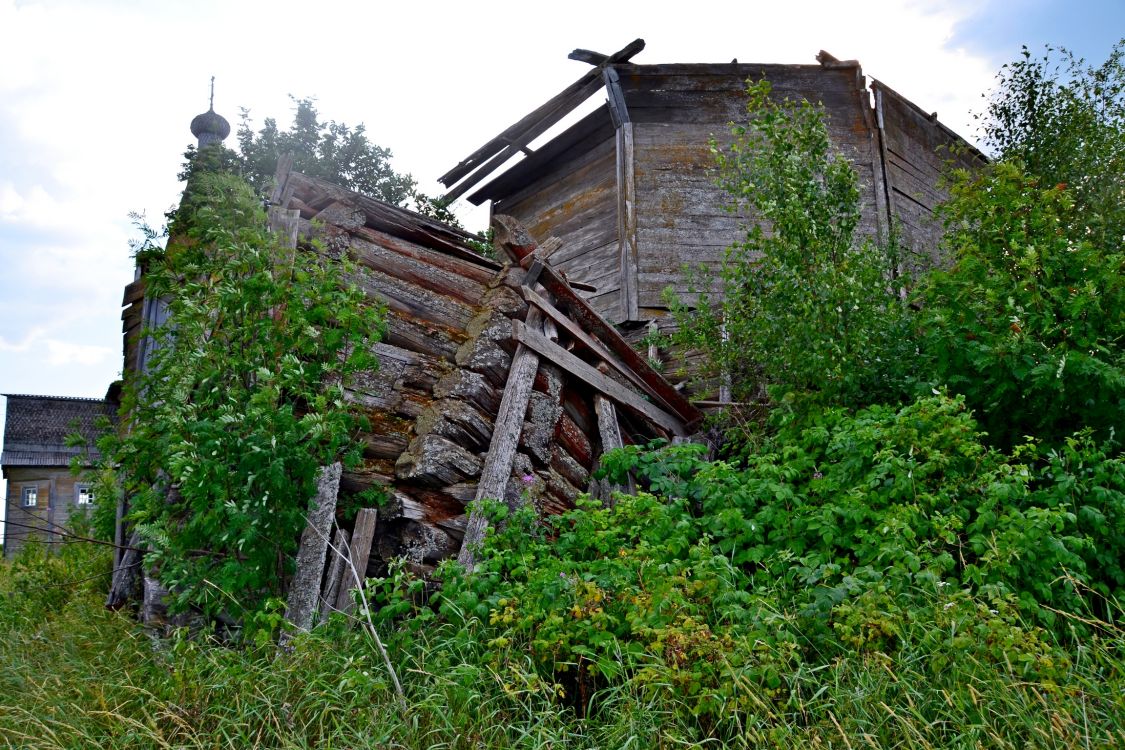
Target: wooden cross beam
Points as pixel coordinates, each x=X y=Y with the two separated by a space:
x=496 y=152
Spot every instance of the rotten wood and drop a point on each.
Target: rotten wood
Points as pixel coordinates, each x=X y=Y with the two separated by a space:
x=304 y=590
x=359 y=552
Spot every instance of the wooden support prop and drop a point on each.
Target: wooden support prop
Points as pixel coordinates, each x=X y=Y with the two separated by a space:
x=505 y=439
x=305 y=587
x=337 y=553
x=359 y=553
x=596 y=325
x=611 y=388
x=584 y=338
x=610 y=433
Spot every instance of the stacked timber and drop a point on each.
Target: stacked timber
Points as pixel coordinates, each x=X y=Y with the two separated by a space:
x=496 y=379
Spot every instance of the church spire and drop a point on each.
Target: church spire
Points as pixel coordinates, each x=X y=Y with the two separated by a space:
x=210 y=127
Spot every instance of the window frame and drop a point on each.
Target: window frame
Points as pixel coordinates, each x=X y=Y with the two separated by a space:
x=29 y=489
x=91 y=499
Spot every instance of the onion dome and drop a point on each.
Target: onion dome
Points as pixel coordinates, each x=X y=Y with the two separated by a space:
x=210 y=127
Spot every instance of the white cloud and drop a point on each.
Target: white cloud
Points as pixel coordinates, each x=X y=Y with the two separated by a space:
x=32 y=206
x=63 y=353
x=30 y=339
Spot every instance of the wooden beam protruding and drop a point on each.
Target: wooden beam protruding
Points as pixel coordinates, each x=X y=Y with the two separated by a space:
x=496 y=152
x=588 y=56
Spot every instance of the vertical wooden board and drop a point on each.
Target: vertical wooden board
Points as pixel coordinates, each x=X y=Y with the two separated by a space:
x=359 y=554
x=338 y=553
x=304 y=590
x=627 y=221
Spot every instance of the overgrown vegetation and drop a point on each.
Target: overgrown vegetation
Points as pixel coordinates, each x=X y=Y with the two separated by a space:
x=241 y=400
x=923 y=547
x=803 y=304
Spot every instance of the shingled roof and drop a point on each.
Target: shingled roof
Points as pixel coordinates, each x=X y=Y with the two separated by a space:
x=37 y=426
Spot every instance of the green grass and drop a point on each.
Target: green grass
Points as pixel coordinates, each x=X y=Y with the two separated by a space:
x=73 y=675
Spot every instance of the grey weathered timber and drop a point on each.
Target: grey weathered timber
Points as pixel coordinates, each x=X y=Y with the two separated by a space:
x=305 y=587
x=581 y=311
x=610 y=433
x=579 y=335
x=359 y=554
x=516 y=137
x=285 y=224
x=627 y=217
x=497 y=467
x=338 y=554
x=618 y=111
x=126 y=582
x=619 y=393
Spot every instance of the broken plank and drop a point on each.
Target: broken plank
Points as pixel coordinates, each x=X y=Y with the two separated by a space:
x=575 y=366
x=359 y=552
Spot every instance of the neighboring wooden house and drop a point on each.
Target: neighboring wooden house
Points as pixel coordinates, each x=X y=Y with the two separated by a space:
x=42 y=491
x=631 y=189
x=495 y=379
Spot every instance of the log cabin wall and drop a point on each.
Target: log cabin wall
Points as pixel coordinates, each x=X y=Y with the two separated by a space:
x=455 y=324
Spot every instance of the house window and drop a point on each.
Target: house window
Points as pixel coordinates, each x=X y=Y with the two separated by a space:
x=84 y=495
x=29 y=496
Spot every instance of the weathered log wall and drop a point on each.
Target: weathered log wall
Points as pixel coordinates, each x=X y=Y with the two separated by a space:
x=454 y=321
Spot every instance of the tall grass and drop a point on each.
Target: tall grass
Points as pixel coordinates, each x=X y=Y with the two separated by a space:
x=73 y=675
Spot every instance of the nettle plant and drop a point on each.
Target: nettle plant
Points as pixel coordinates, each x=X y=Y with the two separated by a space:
x=242 y=398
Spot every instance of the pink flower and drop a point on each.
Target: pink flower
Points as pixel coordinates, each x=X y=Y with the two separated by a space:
x=528 y=478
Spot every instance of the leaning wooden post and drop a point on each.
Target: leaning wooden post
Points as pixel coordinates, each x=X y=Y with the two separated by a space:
x=339 y=550
x=359 y=553
x=497 y=468
x=305 y=589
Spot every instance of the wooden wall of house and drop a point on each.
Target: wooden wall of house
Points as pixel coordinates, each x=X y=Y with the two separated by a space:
x=57 y=501
x=676 y=111
x=917 y=150
x=569 y=189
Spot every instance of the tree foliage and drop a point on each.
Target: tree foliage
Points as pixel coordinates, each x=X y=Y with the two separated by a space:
x=330 y=150
x=1029 y=321
x=802 y=303
x=1064 y=121
x=241 y=400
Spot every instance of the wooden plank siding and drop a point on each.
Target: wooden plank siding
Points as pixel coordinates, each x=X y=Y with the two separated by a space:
x=679 y=214
x=576 y=197
x=678 y=110
x=917 y=150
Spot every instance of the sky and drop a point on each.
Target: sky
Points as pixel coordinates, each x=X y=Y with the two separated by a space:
x=96 y=97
